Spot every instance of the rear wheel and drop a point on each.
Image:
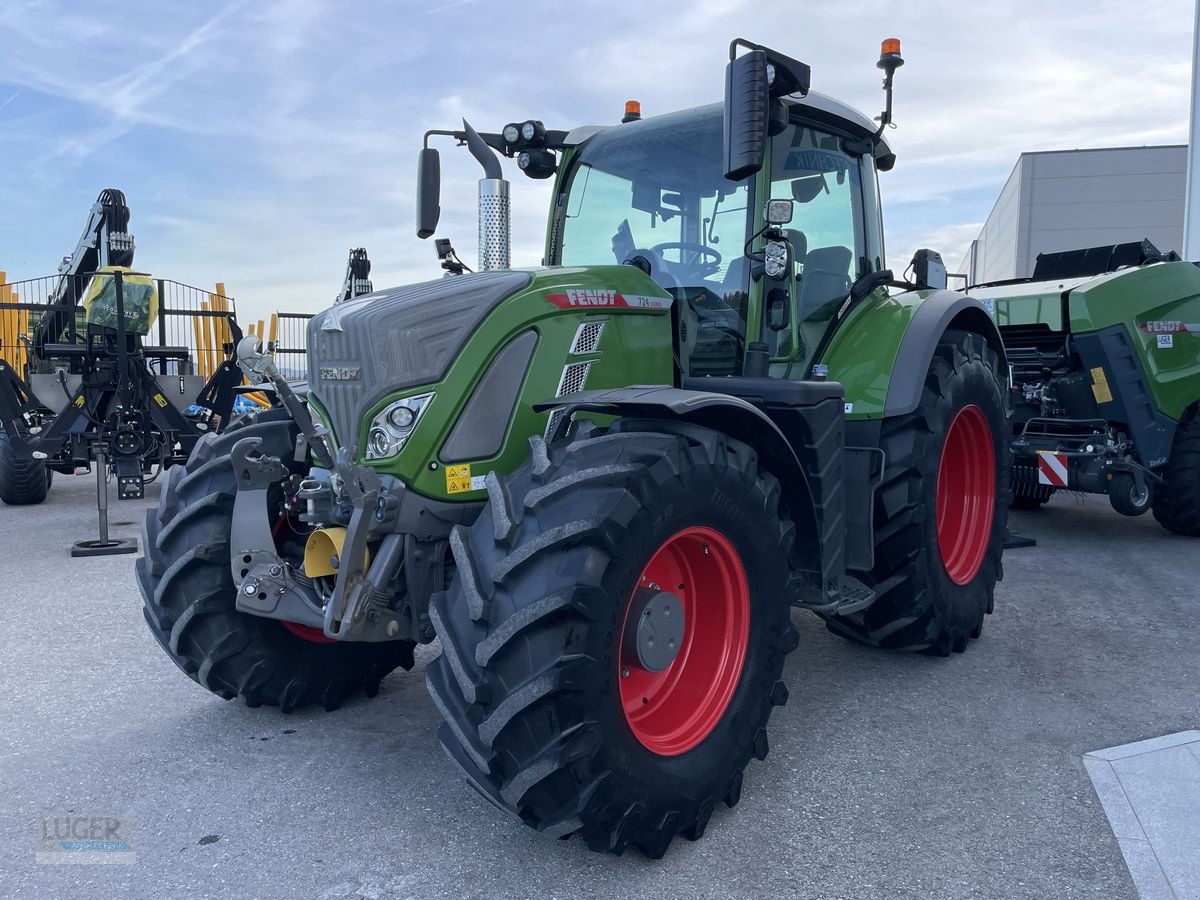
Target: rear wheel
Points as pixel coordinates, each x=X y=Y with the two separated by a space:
x=613 y=642
x=23 y=481
x=939 y=517
x=190 y=595
x=1177 y=508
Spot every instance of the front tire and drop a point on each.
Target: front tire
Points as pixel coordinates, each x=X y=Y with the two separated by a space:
x=1177 y=508
x=548 y=709
x=24 y=481
x=940 y=515
x=190 y=596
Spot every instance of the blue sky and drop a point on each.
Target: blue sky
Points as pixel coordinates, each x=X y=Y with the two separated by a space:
x=258 y=141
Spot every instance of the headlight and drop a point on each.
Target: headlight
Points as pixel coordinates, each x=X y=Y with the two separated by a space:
x=401 y=417
x=529 y=131
x=393 y=425
x=511 y=133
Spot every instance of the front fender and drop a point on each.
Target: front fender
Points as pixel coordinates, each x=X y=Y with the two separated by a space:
x=882 y=351
x=816 y=501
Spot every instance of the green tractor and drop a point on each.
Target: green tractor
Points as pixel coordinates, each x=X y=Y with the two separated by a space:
x=605 y=483
x=1104 y=348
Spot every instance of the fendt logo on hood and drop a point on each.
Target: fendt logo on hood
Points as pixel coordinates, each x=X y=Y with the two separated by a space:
x=340 y=373
x=575 y=298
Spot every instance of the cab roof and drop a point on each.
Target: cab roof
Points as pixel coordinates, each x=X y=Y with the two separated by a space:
x=820 y=108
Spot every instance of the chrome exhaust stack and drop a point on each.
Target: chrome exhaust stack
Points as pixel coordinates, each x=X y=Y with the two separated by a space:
x=495 y=216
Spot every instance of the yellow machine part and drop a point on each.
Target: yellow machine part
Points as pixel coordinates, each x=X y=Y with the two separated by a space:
x=320 y=549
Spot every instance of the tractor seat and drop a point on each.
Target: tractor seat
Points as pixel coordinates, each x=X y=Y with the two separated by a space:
x=826 y=280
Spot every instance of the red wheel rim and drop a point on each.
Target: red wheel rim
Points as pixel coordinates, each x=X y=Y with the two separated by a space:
x=966 y=494
x=672 y=711
x=304 y=632
x=307 y=632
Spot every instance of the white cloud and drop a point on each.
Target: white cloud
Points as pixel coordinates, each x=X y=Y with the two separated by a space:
x=260 y=142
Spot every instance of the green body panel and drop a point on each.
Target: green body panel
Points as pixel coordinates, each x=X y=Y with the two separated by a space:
x=1159 y=293
x=1146 y=301
x=863 y=352
x=1043 y=307
x=635 y=349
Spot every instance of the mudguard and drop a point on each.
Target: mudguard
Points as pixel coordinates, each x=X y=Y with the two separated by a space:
x=882 y=351
x=823 y=531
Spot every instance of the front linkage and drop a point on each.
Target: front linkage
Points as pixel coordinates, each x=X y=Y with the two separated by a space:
x=342 y=593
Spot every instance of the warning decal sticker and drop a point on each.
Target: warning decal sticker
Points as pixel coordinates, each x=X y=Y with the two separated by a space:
x=458 y=479
x=1100 y=389
x=1052 y=468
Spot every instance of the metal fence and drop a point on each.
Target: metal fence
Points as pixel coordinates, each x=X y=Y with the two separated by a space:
x=189 y=319
x=291 y=343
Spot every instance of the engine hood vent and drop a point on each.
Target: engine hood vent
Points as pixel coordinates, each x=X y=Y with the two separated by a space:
x=361 y=350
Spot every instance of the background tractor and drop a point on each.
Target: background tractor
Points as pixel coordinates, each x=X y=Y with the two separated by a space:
x=1104 y=345
x=605 y=483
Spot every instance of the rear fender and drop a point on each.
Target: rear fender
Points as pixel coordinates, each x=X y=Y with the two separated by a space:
x=883 y=350
x=940 y=311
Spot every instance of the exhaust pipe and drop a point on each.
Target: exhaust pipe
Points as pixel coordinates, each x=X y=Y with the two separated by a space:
x=495 y=219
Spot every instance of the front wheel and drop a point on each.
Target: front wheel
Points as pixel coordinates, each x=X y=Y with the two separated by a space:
x=613 y=642
x=940 y=515
x=191 y=600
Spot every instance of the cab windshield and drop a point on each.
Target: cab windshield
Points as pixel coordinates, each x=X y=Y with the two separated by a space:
x=653 y=193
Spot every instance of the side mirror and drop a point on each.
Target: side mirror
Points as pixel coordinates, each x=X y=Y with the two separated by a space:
x=747 y=104
x=429 y=189
x=752 y=81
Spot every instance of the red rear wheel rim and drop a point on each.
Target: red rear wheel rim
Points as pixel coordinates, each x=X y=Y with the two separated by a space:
x=966 y=494
x=672 y=711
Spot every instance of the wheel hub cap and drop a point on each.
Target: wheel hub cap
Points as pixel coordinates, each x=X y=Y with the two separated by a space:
x=654 y=628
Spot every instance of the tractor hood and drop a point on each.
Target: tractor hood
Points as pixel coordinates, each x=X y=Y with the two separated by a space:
x=361 y=350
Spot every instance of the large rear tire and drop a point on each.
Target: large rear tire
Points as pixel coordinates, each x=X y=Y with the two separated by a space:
x=23 y=481
x=1177 y=507
x=549 y=709
x=940 y=512
x=190 y=596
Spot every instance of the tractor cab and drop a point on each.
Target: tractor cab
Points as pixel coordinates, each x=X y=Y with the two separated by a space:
x=653 y=194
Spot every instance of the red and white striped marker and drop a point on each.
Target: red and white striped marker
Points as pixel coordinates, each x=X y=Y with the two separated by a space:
x=1052 y=468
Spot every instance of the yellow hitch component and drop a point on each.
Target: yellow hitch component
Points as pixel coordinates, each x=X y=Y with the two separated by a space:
x=320 y=549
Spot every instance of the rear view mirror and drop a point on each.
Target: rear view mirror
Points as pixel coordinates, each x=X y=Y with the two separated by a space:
x=746 y=111
x=806 y=189
x=429 y=189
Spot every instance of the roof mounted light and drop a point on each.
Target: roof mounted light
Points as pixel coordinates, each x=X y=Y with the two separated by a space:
x=633 y=111
x=511 y=133
x=889 y=55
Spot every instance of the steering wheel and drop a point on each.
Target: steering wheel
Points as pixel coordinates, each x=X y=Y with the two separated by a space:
x=702 y=249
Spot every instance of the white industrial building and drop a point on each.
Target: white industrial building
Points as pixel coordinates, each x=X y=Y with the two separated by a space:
x=1070 y=199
